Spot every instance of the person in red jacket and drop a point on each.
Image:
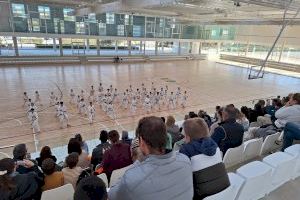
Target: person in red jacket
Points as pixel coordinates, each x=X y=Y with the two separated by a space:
x=118 y=156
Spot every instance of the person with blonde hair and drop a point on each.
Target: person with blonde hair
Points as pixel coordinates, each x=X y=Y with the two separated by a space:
x=209 y=173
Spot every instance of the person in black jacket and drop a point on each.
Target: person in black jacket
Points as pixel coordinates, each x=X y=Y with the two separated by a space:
x=209 y=173
x=44 y=154
x=18 y=186
x=229 y=133
x=98 y=152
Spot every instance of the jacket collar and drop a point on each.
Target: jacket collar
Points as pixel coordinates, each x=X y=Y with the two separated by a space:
x=160 y=159
x=230 y=121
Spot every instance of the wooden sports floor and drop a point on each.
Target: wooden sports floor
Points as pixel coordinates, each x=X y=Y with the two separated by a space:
x=208 y=84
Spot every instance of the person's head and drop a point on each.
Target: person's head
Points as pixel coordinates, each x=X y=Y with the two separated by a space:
x=36 y=92
x=113 y=136
x=163 y=119
x=25 y=93
x=48 y=166
x=218 y=108
x=72 y=160
x=124 y=135
x=7 y=166
x=192 y=115
x=74 y=146
x=61 y=103
x=201 y=113
x=229 y=113
x=295 y=99
x=261 y=102
x=91 y=103
x=90 y=188
x=20 y=152
x=194 y=129
x=219 y=114
x=78 y=137
x=103 y=136
x=152 y=135
x=45 y=152
x=170 y=121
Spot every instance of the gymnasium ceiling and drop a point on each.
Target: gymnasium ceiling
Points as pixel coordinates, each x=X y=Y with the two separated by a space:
x=193 y=11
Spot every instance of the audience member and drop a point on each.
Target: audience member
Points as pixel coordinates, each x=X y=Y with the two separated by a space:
x=98 y=152
x=216 y=118
x=216 y=124
x=18 y=186
x=90 y=188
x=291 y=133
x=71 y=171
x=202 y=114
x=230 y=133
x=53 y=179
x=74 y=146
x=242 y=119
x=173 y=130
x=125 y=138
x=136 y=153
x=154 y=178
x=118 y=156
x=83 y=144
x=209 y=173
x=44 y=154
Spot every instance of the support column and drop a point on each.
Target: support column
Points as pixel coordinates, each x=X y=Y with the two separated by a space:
x=54 y=44
x=247 y=48
x=87 y=44
x=281 y=51
x=129 y=47
x=179 y=48
x=15 y=41
x=61 y=52
x=98 y=47
x=156 y=47
x=200 y=47
x=144 y=48
x=219 y=48
x=116 y=46
x=141 y=46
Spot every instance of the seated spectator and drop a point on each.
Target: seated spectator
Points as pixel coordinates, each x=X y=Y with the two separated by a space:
x=258 y=110
x=290 y=112
x=83 y=144
x=24 y=165
x=118 y=156
x=291 y=133
x=71 y=171
x=136 y=153
x=209 y=173
x=44 y=154
x=202 y=114
x=90 y=188
x=125 y=138
x=173 y=130
x=18 y=186
x=160 y=176
x=230 y=133
x=98 y=152
x=53 y=179
x=242 y=119
x=271 y=109
x=74 y=146
x=216 y=124
x=216 y=118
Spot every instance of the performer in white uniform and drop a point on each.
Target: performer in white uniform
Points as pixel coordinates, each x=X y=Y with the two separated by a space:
x=178 y=93
x=92 y=94
x=72 y=97
x=156 y=101
x=62 y=115
x=184 y=99
x=110 y=110
x=133 y=105
x=91 y=112
x=34 y=120
x=125 y=100
x=115 y=95
x=52 y=98
x=78 y=99
x=31 y=106
x=82 y=95
x=172 y=101
x=100 y=88
x=82 y=107
x=37 y=100
x=25 y=98
x=147 y=104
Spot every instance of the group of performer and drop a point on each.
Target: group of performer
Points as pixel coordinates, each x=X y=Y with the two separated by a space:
x=108 y=100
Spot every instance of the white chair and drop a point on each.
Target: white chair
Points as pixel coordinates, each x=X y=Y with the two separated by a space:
x=269 y=144
x=257 y=175
x=104 y=178
x=233 y=156
x=294 y=150
x=117 y=174
x=65 y=192
x=252 y=148
x=229 y=193
x=282 y=163
x=3 y=155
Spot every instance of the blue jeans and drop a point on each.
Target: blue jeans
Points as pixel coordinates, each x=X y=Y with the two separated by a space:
x=291 y=133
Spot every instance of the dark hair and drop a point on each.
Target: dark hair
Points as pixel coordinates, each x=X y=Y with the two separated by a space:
x=45 y=153
x=163 y=119
x=231 y=111
x=74 y=146
x=91 y=188
x=218 y=107
x=153 y=131
x=296 y=97
x=72 y=160
x=192 y=115
x=48 y=166
x=78 y=137
x=6 y=182
x=103 y=136
x=20 y=151
x=113 y=136
x=245 y=111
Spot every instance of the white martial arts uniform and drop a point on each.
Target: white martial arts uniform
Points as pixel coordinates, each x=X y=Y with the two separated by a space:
x=82 y=107
x=37 y=100
x=183 y=100
x=72 y=97
x=133 y=106
x=25 y=98
x=52 y=99
x=91 y=113
x=34 y=120
x=147 y=104
x=171 y=101
x=110 y=111
x=63 y=116
x=125 y=101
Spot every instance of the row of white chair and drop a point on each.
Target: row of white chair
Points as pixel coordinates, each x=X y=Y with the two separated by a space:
x=250 y=149
x=257 y=179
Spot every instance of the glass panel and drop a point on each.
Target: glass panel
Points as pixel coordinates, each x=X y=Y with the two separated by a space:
x=30 y=46
x=107 y=47
x=68 y=16
x=150 y=47
x=44 y=12
x=110 y=18
x=80 y=28
x=18 y=10
x=122 y=47
x=102 y=29
x=35 y=24
x=6 y=46
x=120 y=30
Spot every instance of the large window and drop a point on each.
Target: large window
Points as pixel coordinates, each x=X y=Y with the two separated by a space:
x=137 y=31
x=35 y=24
x=44 y=12
x=18 y=10
x=120 y=30
x=68 y=16
x=62 y=26
x=128 y=19
x=110 y=18
x=102 y=29
x=80 y=28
